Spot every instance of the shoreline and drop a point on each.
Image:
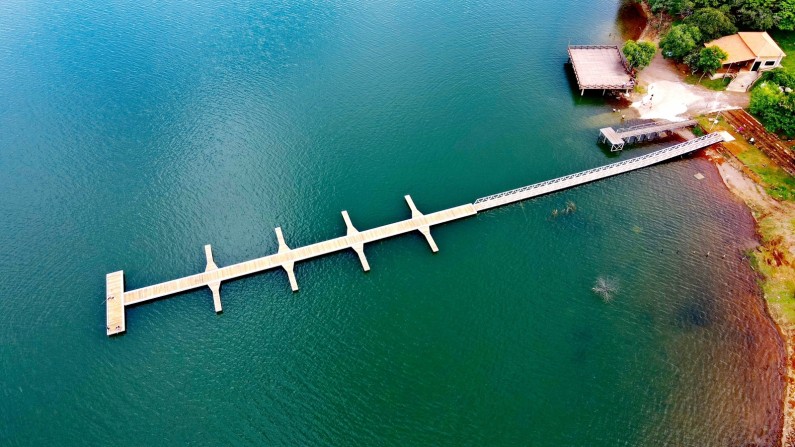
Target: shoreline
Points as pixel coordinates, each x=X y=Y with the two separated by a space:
x=771 y=218
x=774 y=258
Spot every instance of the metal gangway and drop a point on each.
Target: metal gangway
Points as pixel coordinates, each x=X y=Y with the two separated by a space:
x=591 y=175
x=636 y=134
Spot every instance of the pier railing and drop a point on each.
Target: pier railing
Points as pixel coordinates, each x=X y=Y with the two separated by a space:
x=590 y=175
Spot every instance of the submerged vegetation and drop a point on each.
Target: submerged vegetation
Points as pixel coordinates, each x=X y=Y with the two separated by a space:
x=606 y=288
x=570 y=208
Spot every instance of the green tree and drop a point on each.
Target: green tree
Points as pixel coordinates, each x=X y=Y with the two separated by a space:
x=751 y=14
x=639 y=54
x=757 y=18
x=774 y=107
x=680 y=41
x=709 y=3
x=691 y=60
x=781 y=76
x=787 y=15
x=712 y=23
x=710 y=59
x=674 y=7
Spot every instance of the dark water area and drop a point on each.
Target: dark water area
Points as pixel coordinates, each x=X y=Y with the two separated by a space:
x=631 y=20
x=132 y=134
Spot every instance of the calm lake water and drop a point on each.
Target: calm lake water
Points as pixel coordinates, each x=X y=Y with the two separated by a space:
x=133 y=133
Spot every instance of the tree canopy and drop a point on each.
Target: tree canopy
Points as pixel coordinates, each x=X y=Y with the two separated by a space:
x=639 y=54
x=710 y=59
x=712 y=23
x=750 y=14
x=680 y=41
x=787 y=15
x=774 y=103
x=781 y=76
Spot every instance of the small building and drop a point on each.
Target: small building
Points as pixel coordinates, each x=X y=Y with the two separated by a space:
x=600 y=67
x=749 y=53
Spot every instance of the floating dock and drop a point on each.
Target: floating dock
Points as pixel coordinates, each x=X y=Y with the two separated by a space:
x=117 y=299
x=644 y=132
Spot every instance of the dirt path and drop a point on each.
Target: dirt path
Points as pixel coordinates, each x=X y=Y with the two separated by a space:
x=669 y=97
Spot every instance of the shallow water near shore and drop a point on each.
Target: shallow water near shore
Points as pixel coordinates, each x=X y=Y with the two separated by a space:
x=134 y=134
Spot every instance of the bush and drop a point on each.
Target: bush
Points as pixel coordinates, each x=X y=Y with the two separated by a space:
x=780 y=76
x=774 y=107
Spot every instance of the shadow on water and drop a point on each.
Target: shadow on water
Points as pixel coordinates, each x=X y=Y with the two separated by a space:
x=606 y=151
x=613 y=99
x=583 y=340
x=630 y=20
x=694 y=314
x=590 y=98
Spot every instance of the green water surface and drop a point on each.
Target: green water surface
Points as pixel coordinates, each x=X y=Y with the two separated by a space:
x=133 y=133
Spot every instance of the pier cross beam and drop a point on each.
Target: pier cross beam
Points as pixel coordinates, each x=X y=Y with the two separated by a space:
x=287 y=265
x=214 y=286
x=355 y=241
x=425 y=229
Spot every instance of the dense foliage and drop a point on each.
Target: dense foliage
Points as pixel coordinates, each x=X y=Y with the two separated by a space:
x=712 y=19
x=773 y=101
x=748 y=14
x=639 y=54
x=712 y=23
x=710 y=59
x=680 y=41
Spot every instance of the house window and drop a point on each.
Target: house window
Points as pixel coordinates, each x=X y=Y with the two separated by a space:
x=770 y=63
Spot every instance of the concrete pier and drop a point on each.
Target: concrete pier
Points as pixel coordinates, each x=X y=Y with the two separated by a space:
x=117 y=299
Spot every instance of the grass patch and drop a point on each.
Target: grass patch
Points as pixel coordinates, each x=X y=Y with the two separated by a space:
x=718 y=84
x=772 y=258
x=786 y=40
x=776 y=181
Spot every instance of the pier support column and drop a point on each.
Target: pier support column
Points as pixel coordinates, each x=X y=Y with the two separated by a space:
x=287 y=266
x=425 y=230
x=358 y=248
x=114 y=303
x=215 y=287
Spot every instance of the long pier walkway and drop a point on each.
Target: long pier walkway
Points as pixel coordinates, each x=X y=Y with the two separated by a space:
x=635 y=134
x=286 y=258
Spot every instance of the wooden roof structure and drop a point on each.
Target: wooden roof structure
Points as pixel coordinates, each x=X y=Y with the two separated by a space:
x=746 y=46
x=600 y=67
